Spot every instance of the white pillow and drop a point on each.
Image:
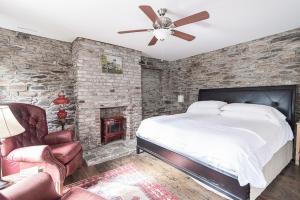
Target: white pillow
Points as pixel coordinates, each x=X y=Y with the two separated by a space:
x=207 y=104
x=246 y=108
x=248 y=115
x=204 y=111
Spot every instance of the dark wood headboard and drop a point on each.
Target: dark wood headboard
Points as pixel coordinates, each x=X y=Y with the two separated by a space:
x=281 y=97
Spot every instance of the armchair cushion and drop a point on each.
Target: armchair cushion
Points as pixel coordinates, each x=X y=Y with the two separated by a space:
x=66 y=152
x=59 y=137
x=38 y=187
x=37 y=153
x=77 y=193
x=41 y=187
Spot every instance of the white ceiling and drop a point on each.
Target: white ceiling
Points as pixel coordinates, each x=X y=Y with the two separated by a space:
x=231 y=22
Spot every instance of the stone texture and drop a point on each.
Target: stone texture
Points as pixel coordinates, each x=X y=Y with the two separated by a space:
x=33 y=70
x=95 y=90
x=160 y=88
x=112 y=111
x=111 y=151
x=272 y=60
x=156 y=93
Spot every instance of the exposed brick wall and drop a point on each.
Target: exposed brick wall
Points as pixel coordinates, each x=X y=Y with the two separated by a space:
x=155 y=87
x=272 y=60
x=33 y=70
x=95 y=90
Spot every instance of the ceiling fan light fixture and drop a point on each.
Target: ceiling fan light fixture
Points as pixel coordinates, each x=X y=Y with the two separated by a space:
x=163 y=26
x=162 y=33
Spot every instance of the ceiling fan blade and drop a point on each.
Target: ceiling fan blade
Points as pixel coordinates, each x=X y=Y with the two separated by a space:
x=192 y=18
x=153 y=41
x=149 y=12
x=183 y=35
x=133 y=31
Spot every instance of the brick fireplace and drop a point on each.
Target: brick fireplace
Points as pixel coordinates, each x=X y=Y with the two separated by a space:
x=103 y=94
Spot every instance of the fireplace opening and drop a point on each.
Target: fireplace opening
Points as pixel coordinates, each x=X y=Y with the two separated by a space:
x=113 y=124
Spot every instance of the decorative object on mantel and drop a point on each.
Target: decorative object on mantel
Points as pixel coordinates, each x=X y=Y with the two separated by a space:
x=9 y=126
x=111 y=64
x=112 y=128
x=62 y=114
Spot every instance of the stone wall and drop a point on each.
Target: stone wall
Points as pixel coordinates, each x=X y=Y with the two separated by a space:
x=155 y=87
x=95 y=90
x=272 y=60
x=33 y=70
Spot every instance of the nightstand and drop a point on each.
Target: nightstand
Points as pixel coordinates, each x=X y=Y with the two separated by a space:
x=297 y=142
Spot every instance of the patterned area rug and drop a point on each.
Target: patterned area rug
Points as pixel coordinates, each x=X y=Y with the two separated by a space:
x=124 y=183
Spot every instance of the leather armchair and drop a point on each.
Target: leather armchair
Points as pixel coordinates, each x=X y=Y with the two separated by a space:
x=41 y=187
x=56 y=152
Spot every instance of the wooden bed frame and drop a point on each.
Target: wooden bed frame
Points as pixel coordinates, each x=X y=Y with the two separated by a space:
x=280 y=97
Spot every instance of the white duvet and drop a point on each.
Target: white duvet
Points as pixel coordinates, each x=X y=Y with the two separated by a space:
x=238 y=146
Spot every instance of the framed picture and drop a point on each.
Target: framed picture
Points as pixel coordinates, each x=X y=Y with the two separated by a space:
x=111 y=64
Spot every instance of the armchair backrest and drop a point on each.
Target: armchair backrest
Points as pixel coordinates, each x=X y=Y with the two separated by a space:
x=33 y=119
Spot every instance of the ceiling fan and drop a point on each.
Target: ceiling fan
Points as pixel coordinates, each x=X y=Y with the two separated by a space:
x=164 y=26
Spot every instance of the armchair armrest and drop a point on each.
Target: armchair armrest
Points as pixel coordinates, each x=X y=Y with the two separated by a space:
x=7 y=145
x=59 y=137
x=38 y=153
x=37 y=187
x=41 y=155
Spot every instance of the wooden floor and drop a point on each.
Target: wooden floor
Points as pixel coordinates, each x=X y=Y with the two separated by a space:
x=285 y=187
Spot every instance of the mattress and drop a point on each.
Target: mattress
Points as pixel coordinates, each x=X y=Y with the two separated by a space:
x=271 y=170
x=249 y=145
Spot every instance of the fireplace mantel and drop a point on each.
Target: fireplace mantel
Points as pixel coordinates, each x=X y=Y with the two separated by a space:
x=113 y=106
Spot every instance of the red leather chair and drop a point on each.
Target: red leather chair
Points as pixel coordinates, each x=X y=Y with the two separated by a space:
x=55 y=153
x=40 y=187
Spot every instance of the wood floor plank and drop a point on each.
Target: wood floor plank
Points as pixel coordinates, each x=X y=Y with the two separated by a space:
x=285 y=186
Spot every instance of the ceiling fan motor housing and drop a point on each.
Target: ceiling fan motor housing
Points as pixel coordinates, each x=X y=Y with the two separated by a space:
x=162 y=21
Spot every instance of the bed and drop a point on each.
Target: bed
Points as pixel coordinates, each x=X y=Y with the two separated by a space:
x=221 y=179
